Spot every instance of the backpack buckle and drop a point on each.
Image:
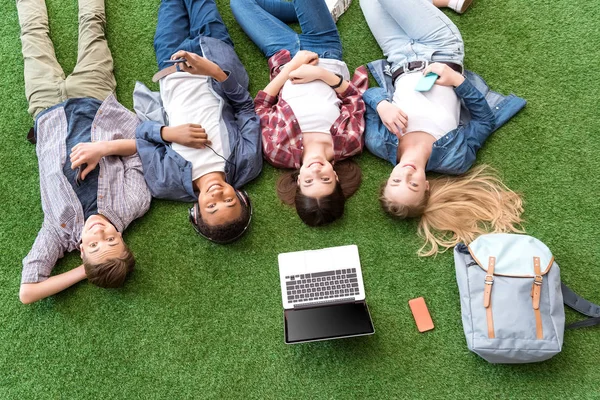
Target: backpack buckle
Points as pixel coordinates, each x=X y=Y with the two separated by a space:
x=489 y=279
x=538 y=280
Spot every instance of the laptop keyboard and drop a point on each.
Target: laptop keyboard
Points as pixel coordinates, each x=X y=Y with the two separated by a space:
x=322 y=285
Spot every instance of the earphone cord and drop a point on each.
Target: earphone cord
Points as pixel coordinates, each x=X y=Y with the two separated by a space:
x=226 y=160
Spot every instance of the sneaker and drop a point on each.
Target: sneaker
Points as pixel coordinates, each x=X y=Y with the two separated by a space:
x=460 y=6
x=338 y=7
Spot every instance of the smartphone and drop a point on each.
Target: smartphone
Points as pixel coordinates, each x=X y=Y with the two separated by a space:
x=421 y=314
x=426 y=82
x=176 y=61
x=78 y=171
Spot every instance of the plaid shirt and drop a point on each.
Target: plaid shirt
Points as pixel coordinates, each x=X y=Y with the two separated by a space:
x=281 y=134
x=122 y=192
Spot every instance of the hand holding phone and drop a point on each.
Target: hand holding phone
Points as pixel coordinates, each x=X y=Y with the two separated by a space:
x=198 y=65
x=426 y=82
x=421 y=314
x=176 y=61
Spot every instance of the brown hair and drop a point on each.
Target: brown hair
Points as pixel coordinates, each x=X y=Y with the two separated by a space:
x=112 y=272
x=316 y=211
x=458 y=209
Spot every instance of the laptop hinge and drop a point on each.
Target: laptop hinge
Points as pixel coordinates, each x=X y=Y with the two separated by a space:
x=325 y=302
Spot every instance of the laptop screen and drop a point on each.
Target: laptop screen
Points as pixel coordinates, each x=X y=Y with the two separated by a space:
x=327 y=322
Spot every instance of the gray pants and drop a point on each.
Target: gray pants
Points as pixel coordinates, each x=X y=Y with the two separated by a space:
x=45 y=81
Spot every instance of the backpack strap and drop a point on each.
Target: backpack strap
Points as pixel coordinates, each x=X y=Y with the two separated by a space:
x=487 y=297
x=578 y=303
x=536 y=291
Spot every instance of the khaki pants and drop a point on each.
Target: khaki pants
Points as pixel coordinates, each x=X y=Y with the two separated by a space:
x=45 y=81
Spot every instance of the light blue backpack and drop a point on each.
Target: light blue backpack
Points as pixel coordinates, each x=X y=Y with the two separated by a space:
x=512 y=299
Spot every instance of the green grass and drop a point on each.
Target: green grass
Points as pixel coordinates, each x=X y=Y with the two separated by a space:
x=197 y=320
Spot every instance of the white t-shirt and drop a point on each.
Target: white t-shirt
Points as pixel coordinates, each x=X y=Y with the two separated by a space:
x=315 y=104
x=436 y=111
x=188 y=99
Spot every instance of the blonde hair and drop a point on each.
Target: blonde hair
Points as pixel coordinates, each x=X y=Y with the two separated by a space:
x=459 y=209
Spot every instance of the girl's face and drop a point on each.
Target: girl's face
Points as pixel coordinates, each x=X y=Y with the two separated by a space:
x=406 y=185
x=317 y=177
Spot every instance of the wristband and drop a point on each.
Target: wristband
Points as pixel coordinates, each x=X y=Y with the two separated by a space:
x=339 y=83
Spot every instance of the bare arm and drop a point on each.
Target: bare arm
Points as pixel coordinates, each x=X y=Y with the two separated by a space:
x=32 y=292
x=274 y=87
x=119 y=147
x=301 y=58
x=332 y=79
x=309 y=73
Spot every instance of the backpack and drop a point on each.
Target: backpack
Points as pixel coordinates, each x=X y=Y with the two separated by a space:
x=512 y=299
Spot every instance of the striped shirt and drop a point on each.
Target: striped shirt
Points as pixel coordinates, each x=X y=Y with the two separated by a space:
x=122 y=192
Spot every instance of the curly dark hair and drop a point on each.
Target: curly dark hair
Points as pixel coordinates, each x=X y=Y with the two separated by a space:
x=224 y=233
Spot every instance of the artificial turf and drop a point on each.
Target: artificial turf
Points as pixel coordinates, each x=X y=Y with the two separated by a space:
x=198 y=320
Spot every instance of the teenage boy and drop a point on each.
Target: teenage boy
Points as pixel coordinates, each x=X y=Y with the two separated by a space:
x=200 y=141
x=90 y=191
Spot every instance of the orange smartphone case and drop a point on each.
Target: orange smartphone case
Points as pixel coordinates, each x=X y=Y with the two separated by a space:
x=421 y=314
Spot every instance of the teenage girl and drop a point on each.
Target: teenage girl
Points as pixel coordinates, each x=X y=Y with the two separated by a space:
x=311 y=113
x=439 y=130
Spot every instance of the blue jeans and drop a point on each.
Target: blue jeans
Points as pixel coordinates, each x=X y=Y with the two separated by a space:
x=180 y=22
x=411 y=30
x=264 y=22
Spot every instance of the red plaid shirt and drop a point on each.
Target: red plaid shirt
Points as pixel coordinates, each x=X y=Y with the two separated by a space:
x=281 y=134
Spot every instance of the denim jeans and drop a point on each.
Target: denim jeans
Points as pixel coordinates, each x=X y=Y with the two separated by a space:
x=264 y=22
x=180 y=22
x=411 y=30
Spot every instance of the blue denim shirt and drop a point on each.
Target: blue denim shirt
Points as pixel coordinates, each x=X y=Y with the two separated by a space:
x=168 y=175
x=482 y=112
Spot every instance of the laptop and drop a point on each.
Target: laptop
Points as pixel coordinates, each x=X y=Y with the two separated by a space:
x=323 y=295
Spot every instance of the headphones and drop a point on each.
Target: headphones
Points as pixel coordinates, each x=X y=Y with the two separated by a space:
x=195 y=213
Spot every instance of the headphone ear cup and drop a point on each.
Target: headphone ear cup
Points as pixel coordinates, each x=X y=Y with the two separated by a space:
x=196 y=210
x=242 y=195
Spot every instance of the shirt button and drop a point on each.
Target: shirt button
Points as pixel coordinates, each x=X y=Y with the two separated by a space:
x=100 y=196
x=497 y=108
x=63 y=225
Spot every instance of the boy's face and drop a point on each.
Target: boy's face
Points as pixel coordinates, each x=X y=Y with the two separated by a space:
x=219 y=204
x=100 y=240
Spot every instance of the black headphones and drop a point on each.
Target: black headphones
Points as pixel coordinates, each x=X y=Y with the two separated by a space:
x=195 y=212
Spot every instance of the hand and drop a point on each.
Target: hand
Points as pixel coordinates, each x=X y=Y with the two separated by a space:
x=392 y=117
x=306 y=73
x=190 y=135
x=447 y=76
x=87 y=153
x=303 y=57
x=198 y=65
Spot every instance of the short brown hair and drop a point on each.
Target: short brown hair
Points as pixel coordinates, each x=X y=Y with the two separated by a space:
x=112 y=272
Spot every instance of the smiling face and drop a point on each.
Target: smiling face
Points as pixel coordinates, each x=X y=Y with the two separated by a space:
x=317 y=177
x=219 y=204
x=406 y=185
x=100 y=240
